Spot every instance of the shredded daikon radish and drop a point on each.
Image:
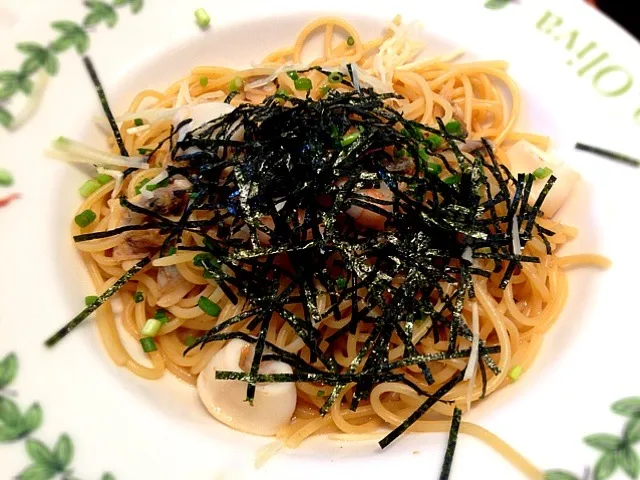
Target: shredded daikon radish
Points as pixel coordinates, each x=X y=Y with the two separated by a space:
x=117 y=175
x=261 y=82
x=515 y=234
x=72 y=151
x=470 y=373
x=137 y=130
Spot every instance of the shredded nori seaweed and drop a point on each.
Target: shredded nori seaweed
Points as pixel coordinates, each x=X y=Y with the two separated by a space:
x=278 y=234
x=451 y=444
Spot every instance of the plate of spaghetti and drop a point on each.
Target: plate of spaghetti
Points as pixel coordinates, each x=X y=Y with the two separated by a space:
x=296 y=241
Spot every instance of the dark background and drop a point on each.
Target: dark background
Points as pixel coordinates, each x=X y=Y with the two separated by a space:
x=622 y=11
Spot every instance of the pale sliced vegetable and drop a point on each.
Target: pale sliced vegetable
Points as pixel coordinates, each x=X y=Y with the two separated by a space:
x=200 y=114
x=273 y=405
x=117 y=175
x=527 y=158
x=77 y=152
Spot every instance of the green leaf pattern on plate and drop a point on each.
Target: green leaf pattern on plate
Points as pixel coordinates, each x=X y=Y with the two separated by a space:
x=47 y=462
x=616 y=452
x=496 y=4
x=39 y=57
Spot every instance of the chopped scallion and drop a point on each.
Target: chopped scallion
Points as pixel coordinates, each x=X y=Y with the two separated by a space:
x=349 y=139
x=435 y=141
x=90 y=299
x=204 y=81
x=142 y=184
x=89 y=187
x=151 y=327
x=542 y=172
x=423 y=155
x=335 y=77
x=190 y=340
x=144 y=151
x=351 y=41
x=341 y=282
x=236 y=84
x=302 y=84
x=172 y=251
x=452 y=180
x=202 y=18
x=454 y=127
x=103 y=179
x=515 y=373
x=161 y=315
x=138 y=297
x=434 y=168
x=85 y=218
x=148 y=344
x=293 y=75
x=209 y=307
x=324 y=90
x=138 y=122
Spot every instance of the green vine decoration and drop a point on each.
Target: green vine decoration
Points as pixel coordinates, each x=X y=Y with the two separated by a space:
x=616 y=452
x=15 y=426
x=45 y=57
x=496 y=4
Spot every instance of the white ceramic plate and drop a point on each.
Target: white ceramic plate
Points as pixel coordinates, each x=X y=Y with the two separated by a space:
x=577 y=71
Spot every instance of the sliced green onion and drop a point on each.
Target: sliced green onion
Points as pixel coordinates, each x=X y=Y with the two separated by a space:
x=302 y=84
x=138 y=122
x=341 y=282
x=401 y=153
x=236 y=84
x=209 y=307
x=434 y=168
x=85 y=218
x=161 y=315
x=89 y=187
x=6 y=179
x=515 y=373
x=190 y=340
x=351 y=41
x=202 y=18
x=320 y=393
x=454 y=128
x=151 y=327
x=138 y=297
x=148 y=344
x=142 y=184
x=103 y=179
x=452 y=180
x=335 y=77
x=204 y=81
x=90 y=299
x=293 y=75
x=324 y=90
x=423 y=154
x=435 y=141
x=144 y=151
x=155 y=186
x=349 y=139
x=542 y=172
x=172 y=251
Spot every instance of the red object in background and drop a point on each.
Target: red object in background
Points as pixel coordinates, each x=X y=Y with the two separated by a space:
x=7 y=200
x=622 y=11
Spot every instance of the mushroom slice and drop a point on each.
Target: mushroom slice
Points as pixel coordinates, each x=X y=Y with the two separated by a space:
x=273 y=405
x=527 y=158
